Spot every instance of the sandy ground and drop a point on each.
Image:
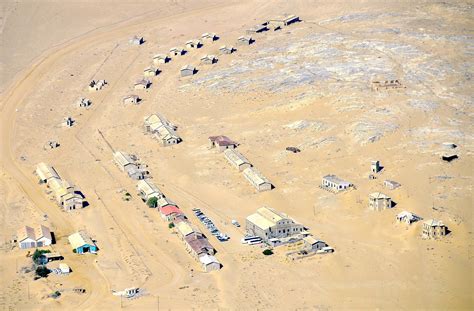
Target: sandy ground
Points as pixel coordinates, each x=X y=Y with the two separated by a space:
x=307 y=85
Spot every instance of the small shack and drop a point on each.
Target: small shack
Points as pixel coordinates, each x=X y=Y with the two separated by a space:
x=379 y=201
x=375 y=167
x=136 y=40
x=226 y=49
x=194 y=44
x=390 y=184
x=150 y=72
x=209 y=263
x=81 y=243
x=130 y=99
x=208 y=59
x=160 y=59
x=97 y=85
x=222 y=142
x=335 y=184
x=257 y=179
x=434 y=229
x=209 y=36
x=408 y=217
x=236 y=159
x=187 y=70
x=142 y=84
x=176 y=51
x=257 y=29
x=65 y=269
x=83 y=102
x=245 y=40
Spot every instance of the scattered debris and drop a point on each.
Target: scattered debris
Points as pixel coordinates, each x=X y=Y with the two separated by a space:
x=51 y=144
x=293 y=149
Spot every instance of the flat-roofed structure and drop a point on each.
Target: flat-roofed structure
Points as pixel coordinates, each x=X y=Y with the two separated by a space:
x=177 y=51
x=245 y=40
x=193 y=44
x=160 y=59
x=222 y=142
x=260 y=182
x=379 y=201
x=46 y=172
x=81 y=243
x=257 y=29
x=209 y=36
x=187 y=70
x=142 y=84
x=434 y=229
x=225 y=49
x=335 y=184
x=208 y=59
x=284 y=20
x=131 y=99
x=147 y=189
x=184 y=229
x=268 y=224
x=236 y=159
x=390 y=184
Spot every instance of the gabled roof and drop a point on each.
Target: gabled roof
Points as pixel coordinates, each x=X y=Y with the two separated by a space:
x=335 y=179
x=184 y=228
x=255 y=176
x=79 y=239
x=199 y=243
x=378 y=195
x=222 y=140
x=169 y=210
x=188 y=67
x=45 y=171
x=148 y=188
x=122 y=158
x=208 y=259
x=42 y=232
x=164 y=201
x=434 y=223
x=160 y=56
x=25 y=233
x=235 y=157
x=260 y=221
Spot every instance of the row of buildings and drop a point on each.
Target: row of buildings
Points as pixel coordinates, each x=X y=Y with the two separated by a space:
x=65 y=193
x=195 y=242
x=161 y=129
x=240 y=162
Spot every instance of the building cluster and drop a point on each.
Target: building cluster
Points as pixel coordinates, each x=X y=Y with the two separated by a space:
x=276 y=228
x=161 y=129
x=64 y=192
x=240 y=162
x=97 y=85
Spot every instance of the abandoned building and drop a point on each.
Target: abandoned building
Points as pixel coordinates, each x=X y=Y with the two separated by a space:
x=236 y=159
x=130 y=100
x=222 y=142
x=390 y=184
x=160 y=59
x=184 y=229
x=66 y=194
x=45 y=172
x=177 y=51
x=147 y=190
x=152 y=122
x=164 y=202
x=187 y=70
x=142 y=84
x=257 y=179
x=449 y=157
x=226 y=49
x=379 y=201
x=245 y=40
x=209 y=263
x=375 y=167
x=257 y=29
x=193 y=44
x=434 y=229
x=408 y=217
x=169 y=212
x=312 y=244
x=162 y=129
x=97 y=85
x=31 y=237
x=68 y=122
x=198 y=245
x=285 y=20
x=150 y=72
x=386 y=85
x=83 y=102
x=128 y=165
x=268 y=224
x=209 y=36
x=136 y=40
x=208 y=59
x=335 y=184
x=81 y=243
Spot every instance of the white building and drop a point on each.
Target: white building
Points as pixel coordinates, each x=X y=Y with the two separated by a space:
x=147 y=189
x=209 y=263
x=257 y=179
x=37 y=236
x=408 y=217
x=236 y=159
x=379 y=201
x=160 y=59
x=335 y=184
x=130 y=99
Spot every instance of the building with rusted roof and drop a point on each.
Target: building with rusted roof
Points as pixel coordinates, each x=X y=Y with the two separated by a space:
x=169 y=212
x=222 y=142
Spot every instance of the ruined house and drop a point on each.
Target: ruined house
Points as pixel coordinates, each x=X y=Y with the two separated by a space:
x=176 y=51
x=209 y=36
x=150 y=72
x=226 y=49
x=130 y=99
x=434 y=229
x=222 y=142
x=379 y=201
x=142 y=84
x=160 y=59
x=193 y=44
x=236 y=159
x=257 y=179
x=136 y=40
x=245 y=40
x=335 y=184
x=187 y=70
x=208 y=59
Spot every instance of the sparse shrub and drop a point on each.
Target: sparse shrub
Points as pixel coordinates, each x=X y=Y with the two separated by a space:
x=267 y=252
x=42 y=271
x=38 y=252
x=171 y=225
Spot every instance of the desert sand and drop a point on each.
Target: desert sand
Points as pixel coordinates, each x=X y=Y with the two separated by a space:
x=307 y=85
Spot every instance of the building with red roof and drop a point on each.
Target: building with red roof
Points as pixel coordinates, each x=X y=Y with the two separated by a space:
x=168 y=212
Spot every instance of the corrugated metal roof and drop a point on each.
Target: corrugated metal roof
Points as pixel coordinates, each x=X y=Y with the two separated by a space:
x=122 y=158
x=255 y=176
x=378 y=195
x=45 y=171
x=184 y=228
x=79 y=239
x=260 y=221
x=235 y=157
